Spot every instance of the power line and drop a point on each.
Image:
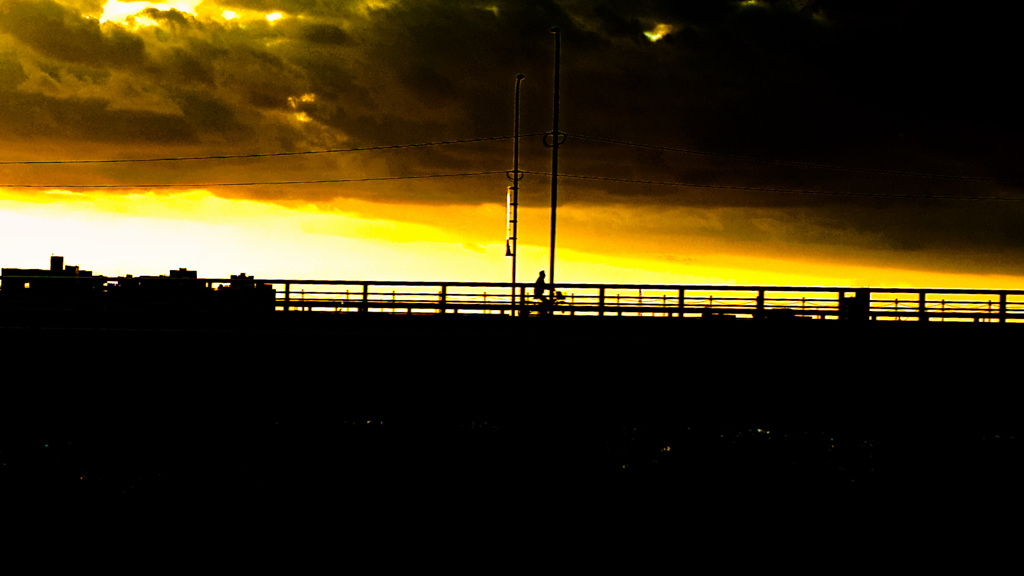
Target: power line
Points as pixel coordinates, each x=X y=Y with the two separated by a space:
x=255 y=183
x=747 y=158
x=485 y=173
x=264 y=154
x=493 y=172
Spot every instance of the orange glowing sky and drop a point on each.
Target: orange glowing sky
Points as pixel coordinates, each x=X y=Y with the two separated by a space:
x=739 y=143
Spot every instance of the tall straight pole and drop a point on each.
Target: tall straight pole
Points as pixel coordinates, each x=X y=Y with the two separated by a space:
x=555 y=141
x=515 y=176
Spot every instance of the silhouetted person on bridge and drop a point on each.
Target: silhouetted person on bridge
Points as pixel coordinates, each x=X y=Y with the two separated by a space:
x=545 y=303
x=539 y=287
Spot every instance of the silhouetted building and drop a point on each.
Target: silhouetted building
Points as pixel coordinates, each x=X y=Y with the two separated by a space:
x=244 y=292
x=178 y=288
x=59 y=284
x=69 y=287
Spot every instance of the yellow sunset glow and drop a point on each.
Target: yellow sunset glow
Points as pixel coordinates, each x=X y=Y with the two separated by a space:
x=116 y=11
x=294 y=101
x=127 y=13
x=371 y=5
x=151 y=233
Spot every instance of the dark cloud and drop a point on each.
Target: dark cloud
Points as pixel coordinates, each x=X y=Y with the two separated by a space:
x=187 y=67
x=206 y=112
x=325 y=34
x=91 y=120
x=55 y=31
x=170 y=16
x=11 y=71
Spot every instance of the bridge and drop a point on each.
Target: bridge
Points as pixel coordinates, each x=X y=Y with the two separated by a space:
x=40 y=290
x=678 y=301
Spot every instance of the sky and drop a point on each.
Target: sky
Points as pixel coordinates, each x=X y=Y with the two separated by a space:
x=758 y=142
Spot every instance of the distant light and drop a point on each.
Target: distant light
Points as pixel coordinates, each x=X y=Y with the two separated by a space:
x=229 y=15
x=273 y=17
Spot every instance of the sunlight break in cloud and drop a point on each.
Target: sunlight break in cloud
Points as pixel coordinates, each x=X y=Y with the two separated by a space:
x=659 y=32
x=116 y=11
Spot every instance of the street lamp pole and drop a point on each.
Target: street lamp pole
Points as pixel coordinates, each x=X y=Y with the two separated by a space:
x=556 y=140
x=513 y=201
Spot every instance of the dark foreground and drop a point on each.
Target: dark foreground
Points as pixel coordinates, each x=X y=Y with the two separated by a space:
x=484 y=418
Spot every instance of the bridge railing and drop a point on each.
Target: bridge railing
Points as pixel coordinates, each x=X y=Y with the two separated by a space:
x=755 y=302
x=393 y=297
